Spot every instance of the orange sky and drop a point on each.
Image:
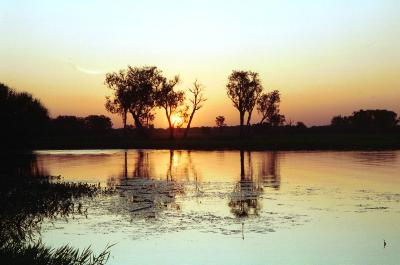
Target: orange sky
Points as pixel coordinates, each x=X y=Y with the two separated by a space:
x=326 y=58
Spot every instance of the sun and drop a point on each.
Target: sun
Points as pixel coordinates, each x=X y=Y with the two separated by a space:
x=176 y=120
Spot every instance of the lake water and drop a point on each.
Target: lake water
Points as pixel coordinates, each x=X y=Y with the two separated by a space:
x=232 y=207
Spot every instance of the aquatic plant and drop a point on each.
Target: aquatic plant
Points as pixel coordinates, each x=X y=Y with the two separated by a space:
x=27 y=197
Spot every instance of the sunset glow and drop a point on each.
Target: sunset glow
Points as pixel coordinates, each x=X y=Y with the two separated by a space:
x=326 y=57
x=176 y=120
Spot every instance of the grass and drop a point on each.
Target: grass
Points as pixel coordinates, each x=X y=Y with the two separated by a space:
x=39 y=254
x=27 y=197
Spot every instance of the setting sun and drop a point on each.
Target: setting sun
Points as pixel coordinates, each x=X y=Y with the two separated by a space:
x=187 y=132
x=176 y=120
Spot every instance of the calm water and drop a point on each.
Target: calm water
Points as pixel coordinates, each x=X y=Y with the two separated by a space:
x=231 y=207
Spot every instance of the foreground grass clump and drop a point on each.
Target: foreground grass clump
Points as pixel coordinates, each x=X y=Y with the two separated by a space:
x=27 y=197
x=39 y=254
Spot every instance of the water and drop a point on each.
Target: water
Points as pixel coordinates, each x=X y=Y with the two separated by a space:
x=231 y=207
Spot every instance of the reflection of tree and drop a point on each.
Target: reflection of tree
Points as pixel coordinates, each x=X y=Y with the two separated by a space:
x=142 y=167
x=142 y=194
x=268 y=174
x=244 y=198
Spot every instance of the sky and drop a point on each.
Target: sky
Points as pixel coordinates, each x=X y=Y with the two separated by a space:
x=325 y=57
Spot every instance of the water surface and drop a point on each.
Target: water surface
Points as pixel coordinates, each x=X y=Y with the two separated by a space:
x=232 y=207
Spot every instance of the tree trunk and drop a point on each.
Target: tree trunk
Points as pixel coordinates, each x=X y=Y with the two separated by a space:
x=248 y=122
x=124 y=122
x=171 y=129
x=188 y=125
x=241 y=124
x=138 y=124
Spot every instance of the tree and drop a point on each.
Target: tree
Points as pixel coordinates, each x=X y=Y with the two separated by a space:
x=340 y=122
x=22 y=115
x=196 y=101
x=244 y=88
x=220 y=122
x=134 y=92
x=268 y=107
x=171 y=101
x=366 y=120
x=68 y=125
x=374 y=119
x=98 y=123
x=143 y=85
x=120 y=102
x=278 y=120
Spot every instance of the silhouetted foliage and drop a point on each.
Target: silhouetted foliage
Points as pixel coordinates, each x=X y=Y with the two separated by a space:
x=68 y=124
x=72 y=125
x=196 y=102
x=98 y=123
x=367 y=120
x=171 y=101
x=220 y=122
x=134 y=92
x=22 y=116
x=301 y=125
x=244 y=88
x=268 y=107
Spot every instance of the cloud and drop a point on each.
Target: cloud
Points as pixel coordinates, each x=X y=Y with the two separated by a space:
x=84 y=70
x=88 y=71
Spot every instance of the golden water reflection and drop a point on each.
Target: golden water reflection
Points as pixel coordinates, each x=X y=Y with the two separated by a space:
x=145 y=194
x=199 y=202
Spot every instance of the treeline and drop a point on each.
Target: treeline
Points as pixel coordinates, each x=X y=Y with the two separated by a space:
x=92 y=124
x=138 y=91
x=24 y=119
x=370 y=120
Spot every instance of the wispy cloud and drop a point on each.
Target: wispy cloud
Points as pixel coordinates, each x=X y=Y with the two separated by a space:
x=88 y=71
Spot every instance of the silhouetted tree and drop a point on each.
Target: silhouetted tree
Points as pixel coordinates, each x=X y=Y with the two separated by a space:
x=278 y=120
x=244 y=88
x=374 y=119
x=69 y=125
x=73 y=125
x=196 y=102
x=340 y=122
x=120 y=102
x=98 y=123
x=367 y=120
x=220 y=122
x=135 y=88
x=301 y=125
x=143 y=84
x=22 y=115
x=171 y=101
x=268 y=107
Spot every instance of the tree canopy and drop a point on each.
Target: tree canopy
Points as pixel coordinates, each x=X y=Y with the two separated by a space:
x=243 y=89
x=23 y=115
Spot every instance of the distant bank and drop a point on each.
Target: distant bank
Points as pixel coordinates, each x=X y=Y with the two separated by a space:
x=281 y=141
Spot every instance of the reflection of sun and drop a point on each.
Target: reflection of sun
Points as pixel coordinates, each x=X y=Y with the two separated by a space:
x=176 y=120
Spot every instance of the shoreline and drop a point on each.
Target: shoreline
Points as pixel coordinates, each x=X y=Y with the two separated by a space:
x=278 y=142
